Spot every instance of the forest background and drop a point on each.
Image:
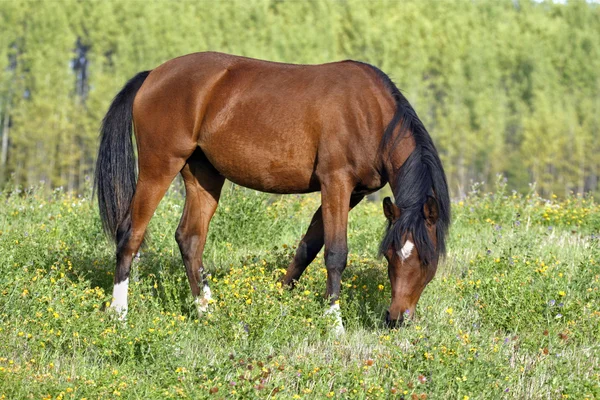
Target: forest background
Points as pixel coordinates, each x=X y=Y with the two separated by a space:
x=507 y=87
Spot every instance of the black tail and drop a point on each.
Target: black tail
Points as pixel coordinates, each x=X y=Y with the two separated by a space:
x=115 y=176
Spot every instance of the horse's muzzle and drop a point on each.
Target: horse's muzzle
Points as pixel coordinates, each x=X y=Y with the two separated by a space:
x=393 y=323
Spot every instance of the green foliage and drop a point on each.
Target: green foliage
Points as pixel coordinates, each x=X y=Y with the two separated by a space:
x=514 y=311
x=505 y=86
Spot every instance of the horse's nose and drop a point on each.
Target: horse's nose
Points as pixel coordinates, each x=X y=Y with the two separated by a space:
x=393 y=323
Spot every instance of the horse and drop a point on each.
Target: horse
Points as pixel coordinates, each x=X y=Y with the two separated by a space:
x=341 y=128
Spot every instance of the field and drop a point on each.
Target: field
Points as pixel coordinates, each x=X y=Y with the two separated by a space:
x=514 y=311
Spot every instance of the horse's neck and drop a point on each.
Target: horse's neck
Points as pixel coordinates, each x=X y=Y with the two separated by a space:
x=395 y=158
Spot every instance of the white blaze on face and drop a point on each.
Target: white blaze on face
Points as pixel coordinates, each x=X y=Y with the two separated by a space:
x=406 y=250
x=338 y=325
x=119 y=303
x=202 y=302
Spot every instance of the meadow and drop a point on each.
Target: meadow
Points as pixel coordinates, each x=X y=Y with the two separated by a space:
x=513 y=313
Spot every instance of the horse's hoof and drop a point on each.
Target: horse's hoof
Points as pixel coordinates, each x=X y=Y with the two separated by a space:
x=336 y=314
x=203 y=302
x=201 y=305
x=119 y=311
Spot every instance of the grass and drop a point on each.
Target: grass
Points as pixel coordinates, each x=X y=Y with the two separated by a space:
x=514 y=311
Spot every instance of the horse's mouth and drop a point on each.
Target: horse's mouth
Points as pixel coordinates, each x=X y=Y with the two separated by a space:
x=393 y=323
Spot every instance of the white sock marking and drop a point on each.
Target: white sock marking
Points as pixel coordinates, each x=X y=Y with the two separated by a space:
x=202 y=302
x=338 y=325
x=207 y=293
x=119 y=303
x=406 y=250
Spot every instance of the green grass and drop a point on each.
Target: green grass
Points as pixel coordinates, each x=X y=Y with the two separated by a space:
x=514 y=311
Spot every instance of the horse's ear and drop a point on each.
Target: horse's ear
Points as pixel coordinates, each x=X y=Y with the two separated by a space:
x=431 y=210
x=390 y=210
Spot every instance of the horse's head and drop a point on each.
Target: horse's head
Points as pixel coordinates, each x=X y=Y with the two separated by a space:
x=409 y=271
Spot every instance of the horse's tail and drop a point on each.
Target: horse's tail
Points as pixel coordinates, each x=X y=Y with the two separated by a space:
x=115 y=176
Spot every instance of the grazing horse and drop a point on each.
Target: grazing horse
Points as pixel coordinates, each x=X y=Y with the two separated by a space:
x=342 y=128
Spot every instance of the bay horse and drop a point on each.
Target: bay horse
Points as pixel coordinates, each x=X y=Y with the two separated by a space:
x=341 y=128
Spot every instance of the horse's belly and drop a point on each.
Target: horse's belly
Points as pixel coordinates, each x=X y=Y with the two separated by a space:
x=262 y=164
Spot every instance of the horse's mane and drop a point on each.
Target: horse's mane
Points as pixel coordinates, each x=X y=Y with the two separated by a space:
x=421 y=175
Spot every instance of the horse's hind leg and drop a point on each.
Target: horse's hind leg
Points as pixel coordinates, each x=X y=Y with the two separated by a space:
x=153 y=182
x=311 y=244
x=203 y=187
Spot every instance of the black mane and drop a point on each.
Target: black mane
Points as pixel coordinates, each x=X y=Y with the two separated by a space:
x=422 y=175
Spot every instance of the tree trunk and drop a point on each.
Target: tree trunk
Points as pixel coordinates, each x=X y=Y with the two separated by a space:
x=4 y=151
x=581 y=185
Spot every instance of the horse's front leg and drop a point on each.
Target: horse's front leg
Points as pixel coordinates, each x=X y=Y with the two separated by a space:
x=335 y=198
x=309 y=247
x=311 y=244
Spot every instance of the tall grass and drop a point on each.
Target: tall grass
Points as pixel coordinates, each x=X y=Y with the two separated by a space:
x=514 y=311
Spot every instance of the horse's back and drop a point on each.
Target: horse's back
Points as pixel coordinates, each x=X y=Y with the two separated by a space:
x=266 y=125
